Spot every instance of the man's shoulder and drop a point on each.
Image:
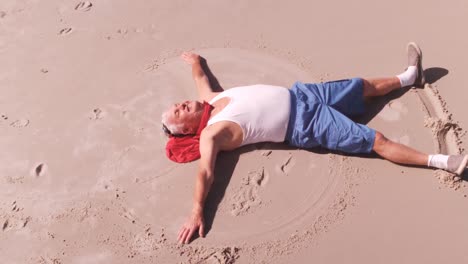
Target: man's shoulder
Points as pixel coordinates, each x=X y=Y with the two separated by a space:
x=214 y=129
x=212 y=135
x=224 y=134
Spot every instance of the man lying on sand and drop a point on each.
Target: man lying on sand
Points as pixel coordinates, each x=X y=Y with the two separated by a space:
x=305 y=116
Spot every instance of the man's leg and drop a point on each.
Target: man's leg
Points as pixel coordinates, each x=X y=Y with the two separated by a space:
x=413 y=75
x=402 y=154
x=380 y=86
x=398 y=153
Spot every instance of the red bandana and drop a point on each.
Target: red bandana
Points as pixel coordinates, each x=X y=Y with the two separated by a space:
x=187 y=148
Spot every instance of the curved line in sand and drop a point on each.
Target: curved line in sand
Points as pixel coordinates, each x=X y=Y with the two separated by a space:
x=446 y=132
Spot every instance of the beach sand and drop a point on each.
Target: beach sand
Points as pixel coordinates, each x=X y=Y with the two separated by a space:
x=83 y=173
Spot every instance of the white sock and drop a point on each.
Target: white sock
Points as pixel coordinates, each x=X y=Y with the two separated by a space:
x=408 y=77
x=438 y=161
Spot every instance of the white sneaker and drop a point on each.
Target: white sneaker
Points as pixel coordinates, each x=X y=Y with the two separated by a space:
x=415 y=59
x=457 y=163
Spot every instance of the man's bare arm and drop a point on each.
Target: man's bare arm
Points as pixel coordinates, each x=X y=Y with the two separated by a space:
x=205 y=91
x=205 y=176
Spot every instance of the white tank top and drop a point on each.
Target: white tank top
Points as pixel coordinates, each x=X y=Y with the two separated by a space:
x=262 y=112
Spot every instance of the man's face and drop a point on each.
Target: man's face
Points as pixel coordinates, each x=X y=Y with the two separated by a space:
x=187 y=113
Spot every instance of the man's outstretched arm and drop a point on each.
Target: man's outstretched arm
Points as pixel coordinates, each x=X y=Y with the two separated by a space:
x=205 y=91
x=205 y=176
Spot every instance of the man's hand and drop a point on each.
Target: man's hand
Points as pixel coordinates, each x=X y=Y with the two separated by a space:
x=194 y=223
x=190 y=58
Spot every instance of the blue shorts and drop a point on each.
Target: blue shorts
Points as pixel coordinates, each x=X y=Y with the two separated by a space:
x=320 y=116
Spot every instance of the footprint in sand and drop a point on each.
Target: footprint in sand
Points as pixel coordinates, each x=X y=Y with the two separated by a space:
x=65 y=31
x=153 y=66
x=16 y=219
x=405 y=140
x=39 y=170
x=15 y=207
x=26 y=221
x=49 y=260
x=248 y=195
x=286 y=166
x=97 y=114
x=224 y=256
x=128 y=214
x=393 y=111
x=5 y=225
x=256 y=178
x=20 y=123
x=122 y=31
x=84 y=6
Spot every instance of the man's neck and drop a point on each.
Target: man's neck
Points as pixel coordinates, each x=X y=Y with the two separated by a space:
x=219 y=105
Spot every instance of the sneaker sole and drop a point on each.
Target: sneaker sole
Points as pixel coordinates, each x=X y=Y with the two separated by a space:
x=420 y=81
x=462 y=166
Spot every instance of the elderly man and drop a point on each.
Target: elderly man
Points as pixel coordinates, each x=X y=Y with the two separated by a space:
x=305 y=116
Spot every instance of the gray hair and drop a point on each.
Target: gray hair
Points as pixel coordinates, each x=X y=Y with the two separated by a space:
x=174 y=128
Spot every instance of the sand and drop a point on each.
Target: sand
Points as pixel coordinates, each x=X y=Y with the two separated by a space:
x=84 y=178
